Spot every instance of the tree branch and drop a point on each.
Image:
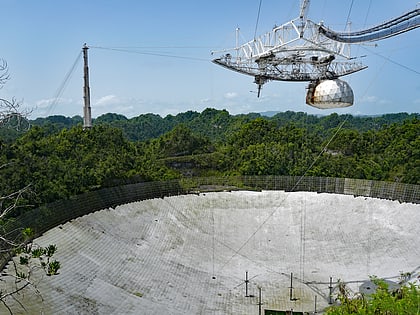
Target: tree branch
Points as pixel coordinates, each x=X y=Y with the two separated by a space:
x=14 y=197
x=11 y=113
x=4 y=70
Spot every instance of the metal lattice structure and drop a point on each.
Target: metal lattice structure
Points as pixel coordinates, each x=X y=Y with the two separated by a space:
x=302 y=50
x=295 y=51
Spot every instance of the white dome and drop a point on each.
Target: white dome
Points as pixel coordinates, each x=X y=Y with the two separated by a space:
x=330 y=94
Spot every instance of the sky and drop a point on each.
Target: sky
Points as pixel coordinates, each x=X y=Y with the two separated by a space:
x=155 y=56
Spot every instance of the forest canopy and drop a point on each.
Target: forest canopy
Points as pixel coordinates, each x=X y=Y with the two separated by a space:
x=57 y=158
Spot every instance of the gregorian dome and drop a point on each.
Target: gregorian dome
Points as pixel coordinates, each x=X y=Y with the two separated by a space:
x=329 y=94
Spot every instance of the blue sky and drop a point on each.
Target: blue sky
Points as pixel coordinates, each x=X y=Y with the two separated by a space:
x=165 y=66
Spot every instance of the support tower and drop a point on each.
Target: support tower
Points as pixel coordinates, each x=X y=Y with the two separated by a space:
x=87 y=116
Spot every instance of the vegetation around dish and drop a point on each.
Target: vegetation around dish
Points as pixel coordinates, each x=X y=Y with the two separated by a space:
x=58 y=159
x=383 y=301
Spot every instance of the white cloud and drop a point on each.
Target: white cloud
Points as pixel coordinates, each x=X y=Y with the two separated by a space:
x=230 y=95
x=53 y=106
x=115 y=104
x=44 y=103
x=205 y=101
x=49 y=102
x=369 y=99
x=106 y=100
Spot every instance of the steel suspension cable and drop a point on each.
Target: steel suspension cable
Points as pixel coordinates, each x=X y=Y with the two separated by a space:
x=349 y=13
x=392 y=61
x=264 y=222
x=258 y=19
x=148 y=53
x=63 y=85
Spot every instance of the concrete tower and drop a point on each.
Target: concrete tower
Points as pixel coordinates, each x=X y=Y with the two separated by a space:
x=87 y=116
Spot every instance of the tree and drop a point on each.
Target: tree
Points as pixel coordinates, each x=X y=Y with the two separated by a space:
x=11 y=116
x=182 y=141
x=11 y=113
x=384 y=301
x=29 y=255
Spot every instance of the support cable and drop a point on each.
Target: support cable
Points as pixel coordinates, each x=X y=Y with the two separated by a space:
x=348 y=14
x=259 y=227
x=365 y=22
x=213 y=241
x=258 y=19
x=303 y=217
x=148 y=53
x=303 y=214
x=367 y=13
x=63 y=85
x=392 y=61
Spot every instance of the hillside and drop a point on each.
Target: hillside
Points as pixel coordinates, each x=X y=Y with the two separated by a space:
x=216 y=124
x=58 y=159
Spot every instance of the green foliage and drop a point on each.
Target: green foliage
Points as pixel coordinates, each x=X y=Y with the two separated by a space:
x=53 y=268
x=217 y=124
x=383 y=302
x=110 y=118
x=24 y=260
x=67 y=163
x=59 y=161
x=211 y=123
x=27 y=233
x=42 y=254
x=50 y=250
x=262 y=148
x=181 y=141
x=38 y=252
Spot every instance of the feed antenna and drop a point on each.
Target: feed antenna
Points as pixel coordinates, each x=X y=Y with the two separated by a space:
x=304 y=51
